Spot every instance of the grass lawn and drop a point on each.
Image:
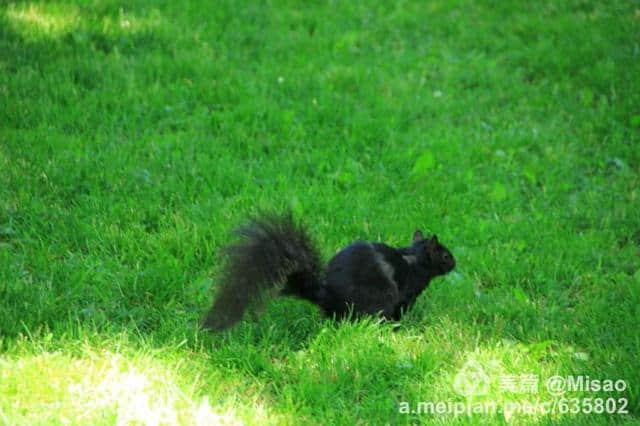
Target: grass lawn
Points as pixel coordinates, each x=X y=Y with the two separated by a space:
x=134 y=135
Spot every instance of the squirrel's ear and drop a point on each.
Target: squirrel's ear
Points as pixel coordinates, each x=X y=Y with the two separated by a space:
x=417 y=236
x=432 y=245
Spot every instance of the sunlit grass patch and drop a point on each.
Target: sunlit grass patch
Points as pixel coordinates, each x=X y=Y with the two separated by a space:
x=123 y=385
x=41 y=21
x=35 y=20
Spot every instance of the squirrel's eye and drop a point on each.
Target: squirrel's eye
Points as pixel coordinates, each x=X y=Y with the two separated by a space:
x=446 y=256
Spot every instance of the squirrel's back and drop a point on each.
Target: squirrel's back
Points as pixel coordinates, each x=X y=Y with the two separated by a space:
x=361 y=279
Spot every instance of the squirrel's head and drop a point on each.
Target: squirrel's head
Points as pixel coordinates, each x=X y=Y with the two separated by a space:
x=430 y=253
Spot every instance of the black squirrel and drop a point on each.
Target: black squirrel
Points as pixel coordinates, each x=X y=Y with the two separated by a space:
x=363 y=278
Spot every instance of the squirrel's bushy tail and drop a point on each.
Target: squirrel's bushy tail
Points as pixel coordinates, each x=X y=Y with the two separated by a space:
x=272 y=250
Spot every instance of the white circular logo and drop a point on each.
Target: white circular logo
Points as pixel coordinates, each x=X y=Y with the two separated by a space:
x=471 y=379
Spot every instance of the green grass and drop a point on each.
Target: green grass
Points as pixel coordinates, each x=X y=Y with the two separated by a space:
x=135 y=135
